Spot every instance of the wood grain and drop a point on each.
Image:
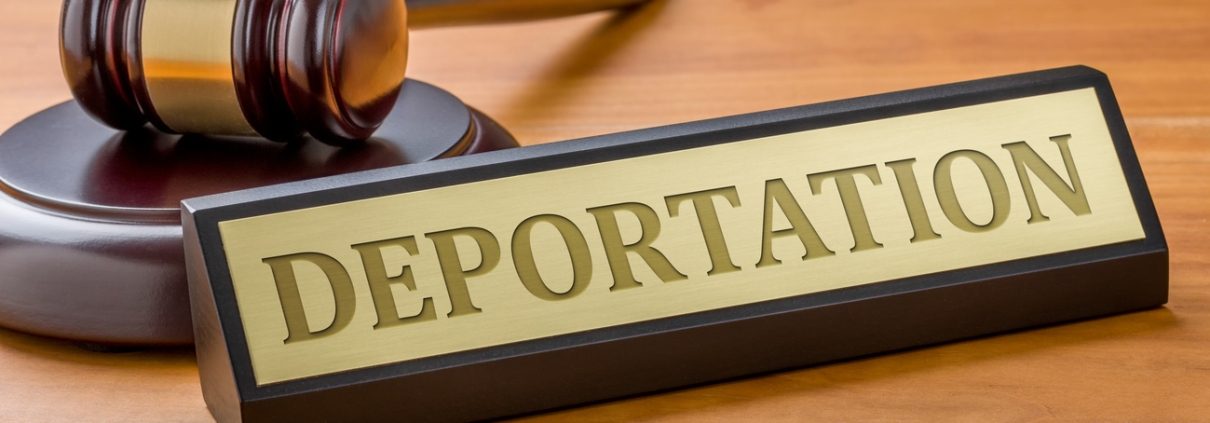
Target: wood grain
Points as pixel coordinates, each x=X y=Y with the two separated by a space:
x=682 y=60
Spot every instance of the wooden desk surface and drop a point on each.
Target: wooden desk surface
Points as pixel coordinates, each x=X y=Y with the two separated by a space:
x=683 y=60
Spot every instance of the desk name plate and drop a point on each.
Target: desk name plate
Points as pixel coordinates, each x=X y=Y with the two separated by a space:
x=511 y=282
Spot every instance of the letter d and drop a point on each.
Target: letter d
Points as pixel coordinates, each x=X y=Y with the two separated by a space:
x=291 y=301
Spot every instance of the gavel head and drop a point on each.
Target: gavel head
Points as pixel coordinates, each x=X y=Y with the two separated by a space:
x=277 y=68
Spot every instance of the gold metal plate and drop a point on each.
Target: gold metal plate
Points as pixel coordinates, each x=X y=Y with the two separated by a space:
x=451 y=269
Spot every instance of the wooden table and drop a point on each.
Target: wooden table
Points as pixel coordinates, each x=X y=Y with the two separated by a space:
x=684 y=60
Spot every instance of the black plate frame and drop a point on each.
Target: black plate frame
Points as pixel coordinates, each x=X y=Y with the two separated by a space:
x=715 y=345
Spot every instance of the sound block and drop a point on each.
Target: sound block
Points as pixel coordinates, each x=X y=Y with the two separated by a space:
x=90 y=232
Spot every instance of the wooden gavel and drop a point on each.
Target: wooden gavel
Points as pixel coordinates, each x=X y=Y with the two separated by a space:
x=274 y=68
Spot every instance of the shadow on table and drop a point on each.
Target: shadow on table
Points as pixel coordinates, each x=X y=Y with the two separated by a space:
x=743 y=394
x=13 y=343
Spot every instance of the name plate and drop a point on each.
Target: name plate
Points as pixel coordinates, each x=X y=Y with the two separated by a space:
x=517 y=281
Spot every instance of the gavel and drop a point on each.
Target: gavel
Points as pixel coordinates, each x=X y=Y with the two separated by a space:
x=274 y=68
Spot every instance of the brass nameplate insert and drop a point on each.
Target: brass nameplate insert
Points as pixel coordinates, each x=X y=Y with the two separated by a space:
x=420 y=274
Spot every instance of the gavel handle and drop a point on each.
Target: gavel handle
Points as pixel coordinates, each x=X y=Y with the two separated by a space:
x=433 y=13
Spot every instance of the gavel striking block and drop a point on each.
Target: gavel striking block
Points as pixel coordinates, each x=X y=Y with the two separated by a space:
x=274 y=68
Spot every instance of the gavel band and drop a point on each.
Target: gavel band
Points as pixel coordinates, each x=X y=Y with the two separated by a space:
x=187 y=66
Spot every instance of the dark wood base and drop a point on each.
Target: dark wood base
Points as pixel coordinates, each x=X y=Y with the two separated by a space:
x=90 y=233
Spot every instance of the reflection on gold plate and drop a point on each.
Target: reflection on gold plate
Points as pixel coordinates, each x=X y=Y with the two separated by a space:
x=414 y=275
